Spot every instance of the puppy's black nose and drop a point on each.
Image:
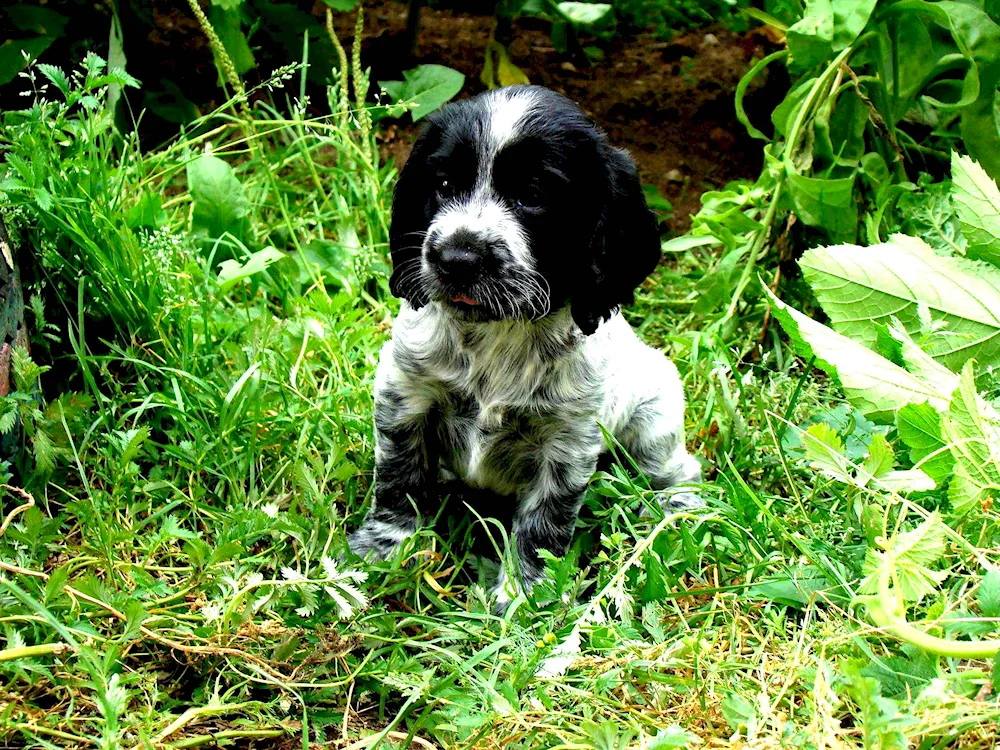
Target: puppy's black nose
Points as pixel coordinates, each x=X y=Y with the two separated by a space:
x=460 y=257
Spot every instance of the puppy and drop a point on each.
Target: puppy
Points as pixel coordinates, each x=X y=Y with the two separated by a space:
x=517 y=234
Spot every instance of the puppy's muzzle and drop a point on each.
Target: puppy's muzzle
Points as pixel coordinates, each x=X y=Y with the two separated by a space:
x=462 y=259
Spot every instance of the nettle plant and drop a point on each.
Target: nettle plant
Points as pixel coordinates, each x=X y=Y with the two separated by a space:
x=912 y=331
x=880 y=90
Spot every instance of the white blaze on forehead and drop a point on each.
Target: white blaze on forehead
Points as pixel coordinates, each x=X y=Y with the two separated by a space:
x=483 y=212
x=507 y=110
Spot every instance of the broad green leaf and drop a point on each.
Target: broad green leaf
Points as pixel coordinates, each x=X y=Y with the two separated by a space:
x=981 y=36
x=688 y=242
x=12 y=55
x=499 y=69
x=426 y=87
x=220 y=205
x=972 y=429
x=861 y=287
x=585 y=14
x=871 y=382
x=828 y=204
x=988 y=594
x=907 y=73
x=231 y=271
x=673 y=737
x=227 y=24
x=880 y=458
x=906 y=480
x=810 y=40
x=849 y=19
x=919 y=427
x=978 y=202
x=908 y=559
x=825 y=452
x=917 y=361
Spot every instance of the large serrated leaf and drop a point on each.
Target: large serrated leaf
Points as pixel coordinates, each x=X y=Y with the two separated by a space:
x=919 y=427
x=871 y=383
x=863 y=287
x=909 y=557
x=972 y=429
x=977 y=200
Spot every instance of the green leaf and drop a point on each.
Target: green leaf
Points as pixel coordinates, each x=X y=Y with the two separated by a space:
x=499 y=69
x=988 y=594
x=227 y=24
x=972 y=429
x=909 y=556
x=919 y=427
x=828 y=204
x=861 y=287
x=916 y=360
x=220 y=205
x=978 y=202
x=56 y=76
x=871 y=382
x=825 y=452
x=585 y=14
x=672 y=737
x=850 y=423
x=232 y=272
x=880 y=458
x=12 y=55
x=810 y=40
x=426 y=87
x=36 y=19
x=147 y=212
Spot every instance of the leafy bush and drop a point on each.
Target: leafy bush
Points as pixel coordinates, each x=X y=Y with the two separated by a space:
x=880 y=91
x=909 y=327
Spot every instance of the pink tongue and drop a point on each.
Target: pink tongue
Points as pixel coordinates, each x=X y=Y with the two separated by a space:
x=463 y=298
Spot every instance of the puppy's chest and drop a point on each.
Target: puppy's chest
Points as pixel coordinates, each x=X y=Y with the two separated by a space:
x=498 y=424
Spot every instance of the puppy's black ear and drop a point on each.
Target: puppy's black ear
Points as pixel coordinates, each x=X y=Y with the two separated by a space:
x=625 y=250
x=412 y=206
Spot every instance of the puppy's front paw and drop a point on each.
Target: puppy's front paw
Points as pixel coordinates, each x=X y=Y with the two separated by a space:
x=505 y=591
x=379 y=540
x=676 y=501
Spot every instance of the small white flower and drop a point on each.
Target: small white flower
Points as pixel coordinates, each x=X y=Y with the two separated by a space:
x=270 y=510
x=211 y=612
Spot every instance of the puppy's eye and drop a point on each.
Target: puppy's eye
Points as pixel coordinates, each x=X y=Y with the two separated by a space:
x=445 y=188
x=530 y=198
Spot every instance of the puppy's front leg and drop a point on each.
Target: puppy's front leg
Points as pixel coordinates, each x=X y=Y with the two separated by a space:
x=405 y=466
x=546 y=516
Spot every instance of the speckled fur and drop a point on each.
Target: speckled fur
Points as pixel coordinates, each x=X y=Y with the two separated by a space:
x=506 y=396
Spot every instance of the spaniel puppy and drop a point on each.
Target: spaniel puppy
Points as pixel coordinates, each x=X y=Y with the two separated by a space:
x=517 y=233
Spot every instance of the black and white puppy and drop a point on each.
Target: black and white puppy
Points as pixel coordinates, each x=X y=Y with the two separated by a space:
x=517 y=233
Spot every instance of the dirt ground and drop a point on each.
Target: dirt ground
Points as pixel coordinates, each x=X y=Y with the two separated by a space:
x=670 y=104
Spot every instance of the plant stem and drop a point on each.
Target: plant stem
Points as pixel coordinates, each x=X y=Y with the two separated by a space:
x=24 y=652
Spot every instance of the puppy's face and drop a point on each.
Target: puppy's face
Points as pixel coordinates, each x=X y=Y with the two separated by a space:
x=513 y=205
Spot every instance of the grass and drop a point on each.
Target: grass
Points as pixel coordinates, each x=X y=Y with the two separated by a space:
x=199 y=449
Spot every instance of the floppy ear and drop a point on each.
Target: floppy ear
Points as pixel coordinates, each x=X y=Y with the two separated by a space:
x=411 y=215
x=625 y=249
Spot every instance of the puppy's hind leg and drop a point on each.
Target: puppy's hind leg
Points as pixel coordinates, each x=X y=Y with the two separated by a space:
x=654 y=438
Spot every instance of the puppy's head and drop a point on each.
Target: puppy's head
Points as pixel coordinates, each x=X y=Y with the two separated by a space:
x=513 y=205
